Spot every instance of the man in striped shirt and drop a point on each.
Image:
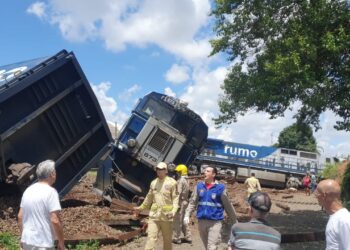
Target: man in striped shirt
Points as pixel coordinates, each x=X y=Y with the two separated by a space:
x=255 y=234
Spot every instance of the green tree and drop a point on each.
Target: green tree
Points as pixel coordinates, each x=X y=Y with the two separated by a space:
x=284 y=52
x=298 y=136
x=346 y=187
x=330 y=171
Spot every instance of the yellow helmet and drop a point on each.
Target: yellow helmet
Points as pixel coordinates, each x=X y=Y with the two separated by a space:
x=182 y=169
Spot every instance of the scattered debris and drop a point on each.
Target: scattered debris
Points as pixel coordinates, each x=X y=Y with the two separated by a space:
x=284 y=207
x=86 y=219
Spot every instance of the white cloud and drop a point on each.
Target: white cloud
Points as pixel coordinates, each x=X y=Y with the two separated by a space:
x=155 y=54
x=255 y=128
x=202 y=95
x=128 y=93
x=174 y=26
x=108 y=104
x=37 y=9
x=168 y=91
x=177 y=74
x=171 y=24
x=330 y=140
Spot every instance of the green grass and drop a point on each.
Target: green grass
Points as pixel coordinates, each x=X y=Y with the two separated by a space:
x=85 y=245
x=9 y=241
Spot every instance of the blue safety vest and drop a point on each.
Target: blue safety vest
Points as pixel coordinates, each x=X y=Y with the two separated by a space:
x=210 y=206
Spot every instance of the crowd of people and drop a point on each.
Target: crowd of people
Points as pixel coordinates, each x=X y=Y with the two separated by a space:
x=171 y=205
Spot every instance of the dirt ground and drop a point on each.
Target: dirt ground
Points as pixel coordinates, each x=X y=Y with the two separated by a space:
x=84 y=216
x=305 y=215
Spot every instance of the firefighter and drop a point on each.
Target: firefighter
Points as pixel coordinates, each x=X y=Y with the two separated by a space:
x=163 y=202
x=253 y=185
x=183 y=190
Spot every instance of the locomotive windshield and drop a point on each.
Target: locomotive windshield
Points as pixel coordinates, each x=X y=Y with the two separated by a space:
x=161 y=112
x=199 y=135
x=183 y=123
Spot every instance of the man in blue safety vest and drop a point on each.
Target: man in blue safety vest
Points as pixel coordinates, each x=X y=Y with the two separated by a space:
x=211 y=201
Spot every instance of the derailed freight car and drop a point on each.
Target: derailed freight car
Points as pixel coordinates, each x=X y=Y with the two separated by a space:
x=49 y=111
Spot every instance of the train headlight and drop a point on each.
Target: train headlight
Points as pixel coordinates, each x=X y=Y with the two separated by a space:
x=131 y=143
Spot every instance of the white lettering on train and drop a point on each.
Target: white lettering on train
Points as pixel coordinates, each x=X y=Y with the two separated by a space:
x=237 y=151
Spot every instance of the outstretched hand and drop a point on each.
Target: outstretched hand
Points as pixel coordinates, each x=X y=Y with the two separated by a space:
x=136 y=211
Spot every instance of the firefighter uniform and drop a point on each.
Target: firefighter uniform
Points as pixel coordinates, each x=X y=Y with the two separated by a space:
x=183 y=189
x=163 y=201
x=253 y=185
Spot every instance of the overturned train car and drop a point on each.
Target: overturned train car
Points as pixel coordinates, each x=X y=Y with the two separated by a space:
x=48 y=111
x=160 y=128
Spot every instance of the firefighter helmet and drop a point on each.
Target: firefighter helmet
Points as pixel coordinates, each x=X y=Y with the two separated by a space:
x=182 y=169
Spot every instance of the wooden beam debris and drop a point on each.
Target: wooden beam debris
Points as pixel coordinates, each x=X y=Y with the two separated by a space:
x=104 y=240
x=130 y=222
x=287 y=196
x=283 y=206
x=125 y=207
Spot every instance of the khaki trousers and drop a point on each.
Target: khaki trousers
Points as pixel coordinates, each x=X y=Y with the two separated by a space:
x=166 y=227
x=210 y=233
x=179 y=225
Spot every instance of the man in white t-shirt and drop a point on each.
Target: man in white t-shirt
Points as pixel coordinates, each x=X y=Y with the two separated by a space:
x=38 y=217
x=338 y=226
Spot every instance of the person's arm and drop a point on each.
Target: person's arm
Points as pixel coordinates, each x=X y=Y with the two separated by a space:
x=20 y=223
x=180 y=188
x=57 y=228
x=344 y=233
x=20 y=220
x=258 y=183
x=192 y=203
x=147 y=202
x=228 y=207
x=231 y=241
x=175 y=196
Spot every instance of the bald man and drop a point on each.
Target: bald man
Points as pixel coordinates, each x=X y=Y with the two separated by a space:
x=338 y=226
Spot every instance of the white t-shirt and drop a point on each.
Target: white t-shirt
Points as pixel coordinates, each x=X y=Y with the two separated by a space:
x=37 y=202
x=338 y=230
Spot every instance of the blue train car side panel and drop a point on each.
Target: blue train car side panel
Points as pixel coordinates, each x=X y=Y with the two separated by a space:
x=260 y=157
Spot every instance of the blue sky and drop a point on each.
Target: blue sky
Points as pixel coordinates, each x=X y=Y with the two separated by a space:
x=128 y=48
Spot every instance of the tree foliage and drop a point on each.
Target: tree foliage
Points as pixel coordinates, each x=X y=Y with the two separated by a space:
x=284 y=52
x=330 y=171
x=346 y=187
x=298 y=136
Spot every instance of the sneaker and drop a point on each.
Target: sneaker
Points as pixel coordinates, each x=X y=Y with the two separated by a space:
x=178 y=241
